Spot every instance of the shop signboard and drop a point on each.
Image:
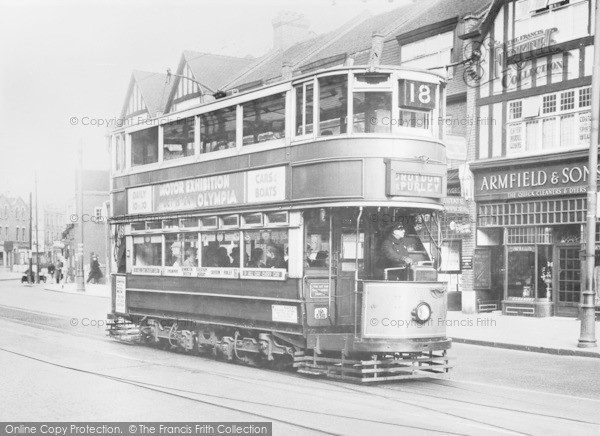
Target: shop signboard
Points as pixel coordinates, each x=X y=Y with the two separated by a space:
x=258 y=186
x=562 y=179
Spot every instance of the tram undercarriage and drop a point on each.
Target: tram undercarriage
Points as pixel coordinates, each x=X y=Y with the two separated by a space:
x=281 y=352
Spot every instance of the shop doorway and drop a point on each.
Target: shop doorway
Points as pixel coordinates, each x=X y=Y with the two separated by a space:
x=568 y=281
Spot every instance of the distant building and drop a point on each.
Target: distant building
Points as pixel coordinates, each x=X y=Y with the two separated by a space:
x=93 y=217
x=14 y=231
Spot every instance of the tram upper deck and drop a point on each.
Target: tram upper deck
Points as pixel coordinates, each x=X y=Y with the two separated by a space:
x=333 y=136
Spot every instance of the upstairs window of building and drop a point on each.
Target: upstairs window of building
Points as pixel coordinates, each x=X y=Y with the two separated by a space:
x=24 y=237
x=432 y=52
x=585 y=97
x=549 y=104
x=178 y=139
x=144 y=147
x=218 y=130
x=333 y=105
x=264 y=119
x=567 y=100
x=515 y=110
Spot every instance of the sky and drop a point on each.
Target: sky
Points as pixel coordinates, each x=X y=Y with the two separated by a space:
x=65 y=59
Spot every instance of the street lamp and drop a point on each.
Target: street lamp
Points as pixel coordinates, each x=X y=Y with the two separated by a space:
x=587 y=338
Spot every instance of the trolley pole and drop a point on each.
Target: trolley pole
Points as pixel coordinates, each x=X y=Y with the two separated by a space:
x=587 y=338
x=80 y=279
x=37 y=242
x=30 y=275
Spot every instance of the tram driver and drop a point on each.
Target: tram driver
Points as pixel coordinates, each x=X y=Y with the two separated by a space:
x=395 y=252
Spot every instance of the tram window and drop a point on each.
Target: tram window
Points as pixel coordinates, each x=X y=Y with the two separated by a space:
x=174 y=250
x=221 y=249
x=178 y=139
x=153 y=225
x=217 y=130
x=144 y=147
x=304 y=109
x=119 y=153
x=333 y=105
x=264 y=119
x=188 y=223
x=138 y=227
x=415 y=119
x=278 y=217
x=349 y=246
x=372 y=112
x=253 y=219
x=147 y=250
x=190 y=249
x=230 y=221
x=266 y=248
x=208 y=222
x=170 y=224
x=316 y=254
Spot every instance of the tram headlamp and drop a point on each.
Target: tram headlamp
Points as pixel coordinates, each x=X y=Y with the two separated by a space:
x=422 y=313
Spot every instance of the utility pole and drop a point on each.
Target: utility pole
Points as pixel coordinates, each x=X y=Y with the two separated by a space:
x=80 y=279
x=30 y=275
x=587 y=338
x=37 y=242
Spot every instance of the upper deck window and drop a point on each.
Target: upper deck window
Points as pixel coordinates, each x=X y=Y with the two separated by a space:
x=372 y=112
x=144 y=146
x=333 y=105
x=217 y=130
x=178 y=139
x=417 y=102
x=264 y=119
x=304 y=109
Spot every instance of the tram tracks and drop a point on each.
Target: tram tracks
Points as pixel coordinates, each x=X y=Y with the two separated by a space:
x=331 y=387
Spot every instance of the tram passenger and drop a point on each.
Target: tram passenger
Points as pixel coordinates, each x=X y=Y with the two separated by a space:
x=190 y=258
x=275 y=257
x=176 y=254
x=235 y=257
x=395 y=251
x=256 y=257
x=223 y=258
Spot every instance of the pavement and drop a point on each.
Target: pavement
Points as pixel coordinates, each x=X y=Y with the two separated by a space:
x=71 y=288
x=11 y=276
x=554 y=335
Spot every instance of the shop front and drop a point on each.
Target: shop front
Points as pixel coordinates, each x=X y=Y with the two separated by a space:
x=530 y=227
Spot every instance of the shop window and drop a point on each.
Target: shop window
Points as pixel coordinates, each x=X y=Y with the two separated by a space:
x=217 y=130
x=264 y=119
x=147 y=250
x=144 y=147
x=532 y=132
x=372 y=112
x=221 y=249
x=178 y=139
x=585 y=97
x=567 y=130
x=549 y=104
x=304 y=109
x=266 y=248
x=316 y=254
x=333 y=105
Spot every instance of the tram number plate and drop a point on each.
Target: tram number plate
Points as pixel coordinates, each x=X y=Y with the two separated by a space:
x=320 y=313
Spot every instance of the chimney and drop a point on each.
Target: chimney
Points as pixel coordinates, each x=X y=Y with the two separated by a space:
x=287 y=70
x=376 y=50
x=289 y=28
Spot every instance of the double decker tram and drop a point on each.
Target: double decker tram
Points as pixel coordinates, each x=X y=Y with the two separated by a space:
x=253 y=226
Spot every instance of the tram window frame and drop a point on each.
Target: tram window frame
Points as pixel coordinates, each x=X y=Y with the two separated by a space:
x=168 y=225
x=148 y=239
x=139 y=226
x=379 y=127
x=253 y=127
x=215 y=144
x=203 y=222
x=141 y=148
x=188 y=125
x=183 y=225
x=282 y=248
x=247 y=220
x=270 y=222
x=206 y=262
x=303 y=121
x=325 y=130
x=153 y=225
x=224 y=224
